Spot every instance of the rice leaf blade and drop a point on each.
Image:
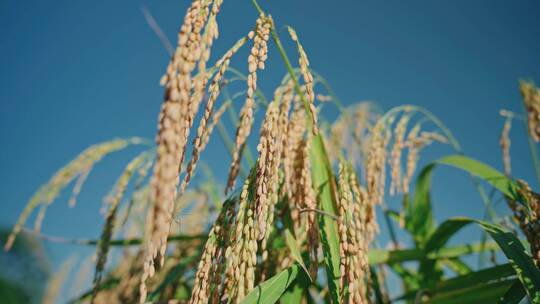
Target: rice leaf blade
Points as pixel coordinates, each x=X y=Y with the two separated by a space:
x=271 y=290
x=324 y=182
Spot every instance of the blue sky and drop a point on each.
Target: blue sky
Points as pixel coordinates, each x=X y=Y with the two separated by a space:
x=79 y=72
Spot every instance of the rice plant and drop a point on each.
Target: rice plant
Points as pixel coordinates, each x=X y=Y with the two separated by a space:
x=296 y=222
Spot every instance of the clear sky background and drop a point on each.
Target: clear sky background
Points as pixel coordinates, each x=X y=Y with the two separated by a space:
x=74 y=73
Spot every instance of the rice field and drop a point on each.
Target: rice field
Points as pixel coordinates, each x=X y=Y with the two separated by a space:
x=300 y=214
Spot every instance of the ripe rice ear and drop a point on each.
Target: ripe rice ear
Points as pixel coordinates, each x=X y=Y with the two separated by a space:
x=505 y=143
x=531 y=99
x=395 y=154
x=106 y=234
x=75 y=168
x=175 y=120
x=256 y=59
x=241 y=254
x=307 y=76
x=203 y=133
x=55 y=283
x=206 y=287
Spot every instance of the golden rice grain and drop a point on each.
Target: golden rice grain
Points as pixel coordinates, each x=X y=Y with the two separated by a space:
x=395 y=154
x=241 y=254
x=106 y=234
x=307 y=76
x=531 y=99
x=175 y=119
x=256 y=59
x=203 y=133
x=208 y=276
x=50 y=191
x=505 y=142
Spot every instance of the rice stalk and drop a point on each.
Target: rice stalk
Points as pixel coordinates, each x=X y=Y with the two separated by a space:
x=352 y=133
x=208 y=278
x=55 y=283
x=75 y=168
x=505 y=143
x=375 y=162
x=175 y=120
x=211 y=33
x=78 y=187
x=355 y=228
x=307 y=76
x=203 y=133
x=241 y=253
x=296 y=128
x=268 y=164
x=395 y=154
x=256 y=59
x=106 y=234
x=531 y=99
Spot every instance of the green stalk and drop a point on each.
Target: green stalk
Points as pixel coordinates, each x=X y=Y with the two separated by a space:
x=323 y=180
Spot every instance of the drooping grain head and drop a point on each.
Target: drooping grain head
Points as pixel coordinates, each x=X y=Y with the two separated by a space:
x=308 y=78
x=175 y=119
x=375 y=162
x=351 y=133
x=505 y=142
x=531 y=99
x=256 y=60
x=110 y=221
x=241 y=254
x=271 y=148
x=395 y=154
x=76 y=168
x=206 y=287
x=356 y=226
x=203 y=133
x=528 y=217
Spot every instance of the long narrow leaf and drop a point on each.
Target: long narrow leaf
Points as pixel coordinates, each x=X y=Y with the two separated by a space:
x=325 y=184
x=271 y=290
x=419 y=217
x=485 y=172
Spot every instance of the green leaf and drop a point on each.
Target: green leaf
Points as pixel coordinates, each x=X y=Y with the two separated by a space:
x=483 y=293
x=444 y=232
x=514 y=294
x=419 y=220
x=298 y=290
x=324 y=182
x=456 y=265
x=478 y=277
x=485 y=172
x=381 y=256
x=430 y=270
x=295 y=252
x=294 y=295
x=513 y=249
x=523 y=265
x=463 y=283
x=271 y=290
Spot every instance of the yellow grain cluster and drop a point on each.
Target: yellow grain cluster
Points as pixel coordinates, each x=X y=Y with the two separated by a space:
x=204 y=132
x=505 y=141
x=256 y=60
x=176 y=117
x=356 y=228
x=76 y=168
x=241 y=254
x=531 y=98
x=208 y=278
